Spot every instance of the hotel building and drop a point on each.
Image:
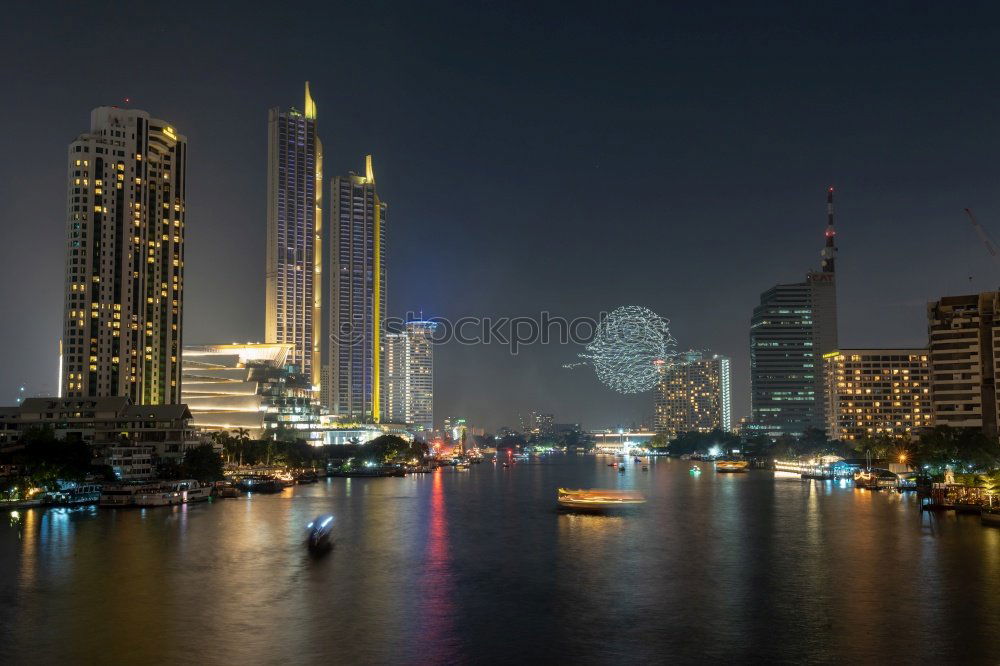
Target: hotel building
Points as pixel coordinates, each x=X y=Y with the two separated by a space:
x=293 y=256
x=877 y=392
x=964 y=349
x=693 y=395
x=791 y=329
x=124 y=281
x=165 y=430
x=409 y=378
x=356 y=304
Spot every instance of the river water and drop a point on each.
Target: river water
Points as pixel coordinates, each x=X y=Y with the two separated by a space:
x=479 y=566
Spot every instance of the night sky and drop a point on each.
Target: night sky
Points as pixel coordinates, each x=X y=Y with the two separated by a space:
x=569 y=157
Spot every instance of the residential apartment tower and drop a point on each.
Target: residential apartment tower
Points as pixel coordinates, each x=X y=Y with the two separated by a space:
x=125 y=212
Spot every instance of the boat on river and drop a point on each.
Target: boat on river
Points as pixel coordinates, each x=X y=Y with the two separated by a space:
x=260 y=484
x=124 y=494
x=596 y=499
x=77 y=495
x=176 y=492
x=732 y=466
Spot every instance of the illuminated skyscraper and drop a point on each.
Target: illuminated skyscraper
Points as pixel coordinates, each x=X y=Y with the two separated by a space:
x=791 y=329
x=693 y=395
x=409 y=376
x=293 y=273
x=124 y=259
x=356 y=303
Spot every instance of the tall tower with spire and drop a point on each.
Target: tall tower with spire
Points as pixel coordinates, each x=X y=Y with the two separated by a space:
x=791 y=330
x=354 y=364
x=293 y=271
x=829 y=252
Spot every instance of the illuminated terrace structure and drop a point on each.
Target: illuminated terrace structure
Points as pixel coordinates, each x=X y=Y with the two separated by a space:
x=124 y=286
x=964 y=349
x=356 y=307
x=877 y=393
x=293 y=271
x=693 y=395
x=249 y=386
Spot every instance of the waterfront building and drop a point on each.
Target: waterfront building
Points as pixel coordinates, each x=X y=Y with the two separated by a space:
x=964 y=346
x=356 y=303
x=620 y=440
x=791 y=329
x=253 y=386
x=877 y=392
x=124 y=285
x=131 y=463
x=293 y=268
x=409 y=375
x=693 y=395
x=103 y=422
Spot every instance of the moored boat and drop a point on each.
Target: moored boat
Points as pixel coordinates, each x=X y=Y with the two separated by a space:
x=260 y=484
x=124 y=494
x=87 y=493
x=176 y=492
x=990 y=516
x=732 y=466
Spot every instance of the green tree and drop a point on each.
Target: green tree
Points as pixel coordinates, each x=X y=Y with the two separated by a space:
x=202 y=463
x=658 y=442
x=47 y=459
x=242 y=439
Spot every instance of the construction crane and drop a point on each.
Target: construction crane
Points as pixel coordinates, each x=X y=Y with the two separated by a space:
x=987 y=241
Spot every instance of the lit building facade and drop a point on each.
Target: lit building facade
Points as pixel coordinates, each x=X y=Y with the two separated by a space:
x=124 y=281
x=693 y=395
x=409 y=376
x=165 y=430
x=791 y=329
x=964 y=349
x=252 y=386
x=293 y=272
x=877 y=393
x=357 y=299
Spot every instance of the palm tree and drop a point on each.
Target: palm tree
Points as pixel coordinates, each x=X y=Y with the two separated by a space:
x=242 y=436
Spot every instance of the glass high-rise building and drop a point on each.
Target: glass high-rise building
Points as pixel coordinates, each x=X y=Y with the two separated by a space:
x=791 y=329
x=356 y=305
x=293 y=273
x=125 y=211
x=409 y=376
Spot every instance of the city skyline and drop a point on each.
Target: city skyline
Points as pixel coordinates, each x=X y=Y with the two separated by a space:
x=897 y=206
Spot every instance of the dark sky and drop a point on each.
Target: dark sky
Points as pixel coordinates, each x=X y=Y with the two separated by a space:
x=569 y=157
